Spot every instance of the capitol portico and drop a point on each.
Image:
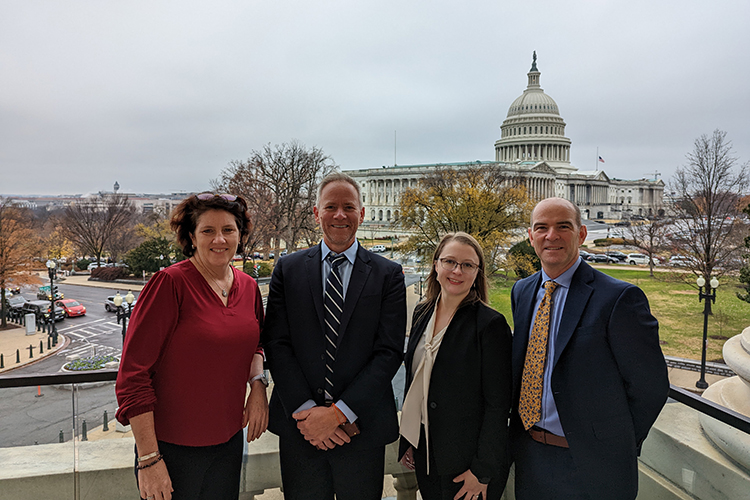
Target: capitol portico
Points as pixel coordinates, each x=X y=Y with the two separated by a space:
x=534 y=148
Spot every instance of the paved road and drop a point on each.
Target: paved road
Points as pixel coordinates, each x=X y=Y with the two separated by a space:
x=28 y=419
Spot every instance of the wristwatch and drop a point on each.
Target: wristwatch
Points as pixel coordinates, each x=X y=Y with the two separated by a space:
x=261 y=377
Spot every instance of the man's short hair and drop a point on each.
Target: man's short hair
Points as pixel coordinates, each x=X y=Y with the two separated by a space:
x=338 y=177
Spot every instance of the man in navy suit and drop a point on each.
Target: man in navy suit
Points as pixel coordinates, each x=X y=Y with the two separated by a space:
x=321 y=380
x=581 y=415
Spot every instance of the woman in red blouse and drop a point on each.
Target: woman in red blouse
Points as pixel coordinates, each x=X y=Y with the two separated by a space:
x=190 y=350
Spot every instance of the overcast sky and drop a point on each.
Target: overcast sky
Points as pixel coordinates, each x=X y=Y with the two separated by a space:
x=161 y=95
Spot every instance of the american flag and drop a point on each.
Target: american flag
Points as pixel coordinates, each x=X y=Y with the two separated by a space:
x=601 y=159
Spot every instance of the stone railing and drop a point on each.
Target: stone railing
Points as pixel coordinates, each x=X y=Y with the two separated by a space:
x=103 y=469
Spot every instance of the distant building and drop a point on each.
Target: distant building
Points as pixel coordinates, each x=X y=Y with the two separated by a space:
x=532 y=146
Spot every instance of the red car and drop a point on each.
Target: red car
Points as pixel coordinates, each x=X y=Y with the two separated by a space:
x=71 y=308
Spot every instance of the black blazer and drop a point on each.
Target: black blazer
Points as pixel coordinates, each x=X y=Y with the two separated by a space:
x=369 y=349
x=609 y=376
x=470 y=392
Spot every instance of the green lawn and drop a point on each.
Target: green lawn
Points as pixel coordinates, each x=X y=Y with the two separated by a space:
x=675 y=305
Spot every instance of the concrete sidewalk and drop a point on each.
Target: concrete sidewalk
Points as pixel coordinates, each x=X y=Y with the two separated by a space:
x=83 y=280
x=15 y=343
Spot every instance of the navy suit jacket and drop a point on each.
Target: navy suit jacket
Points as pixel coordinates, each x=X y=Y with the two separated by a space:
x=370 y=345
x=609 y=377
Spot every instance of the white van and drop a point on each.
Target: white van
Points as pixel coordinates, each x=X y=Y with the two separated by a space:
x=637 y=258
x=378 y=248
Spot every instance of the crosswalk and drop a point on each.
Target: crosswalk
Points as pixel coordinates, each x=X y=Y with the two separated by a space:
x=97 y=337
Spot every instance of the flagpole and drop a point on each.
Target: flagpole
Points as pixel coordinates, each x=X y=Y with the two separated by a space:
x=597 y=159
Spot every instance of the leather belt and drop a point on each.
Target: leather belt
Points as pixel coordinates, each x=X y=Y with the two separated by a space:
x=545 y=437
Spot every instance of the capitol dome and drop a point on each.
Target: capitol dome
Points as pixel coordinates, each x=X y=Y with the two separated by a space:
x=534 y=131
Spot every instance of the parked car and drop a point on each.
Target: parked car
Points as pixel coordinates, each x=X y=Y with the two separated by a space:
x=110 y=306
x=41 y=309
x=15 y=302
x=44 y=293
x=585 y=255
x=94 y=265
x=680 y=261
x=621 y=257
x=637 y=258
x=603 y=258
x=71 y=308
x=378 y=248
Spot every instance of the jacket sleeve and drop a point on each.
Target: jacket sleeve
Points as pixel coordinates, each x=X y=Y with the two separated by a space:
x=289 y=379
x=388 y=350
x=491 y=459
x=634 y=340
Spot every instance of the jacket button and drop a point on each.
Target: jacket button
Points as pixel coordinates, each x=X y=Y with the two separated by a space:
x=320 y=391
x=433 y=405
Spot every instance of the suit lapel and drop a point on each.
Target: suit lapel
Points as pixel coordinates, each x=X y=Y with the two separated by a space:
x=315 y=281
x=575 y=304
x=357 y=281
x=523 y=308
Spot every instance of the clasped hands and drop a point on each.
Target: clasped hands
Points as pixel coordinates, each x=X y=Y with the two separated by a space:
x=320 y=427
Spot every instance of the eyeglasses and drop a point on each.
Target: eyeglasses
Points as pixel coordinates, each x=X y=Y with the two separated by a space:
x=224 y=196
x=466 y=267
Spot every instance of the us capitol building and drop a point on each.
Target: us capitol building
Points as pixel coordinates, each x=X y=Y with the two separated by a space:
x=532 y=147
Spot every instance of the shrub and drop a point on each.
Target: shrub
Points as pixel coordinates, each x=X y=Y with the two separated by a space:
x=83 y=264
x=264 y=269
x=90 y=363
x=109 y=273
x=523 y=259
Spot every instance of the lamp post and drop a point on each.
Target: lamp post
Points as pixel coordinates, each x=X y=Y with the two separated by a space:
x=709 y=296
x=121 y=313
x=53 y=330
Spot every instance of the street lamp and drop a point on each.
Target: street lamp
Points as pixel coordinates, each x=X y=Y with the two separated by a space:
x=52 y=292
x=121 y=313
x=709 y=296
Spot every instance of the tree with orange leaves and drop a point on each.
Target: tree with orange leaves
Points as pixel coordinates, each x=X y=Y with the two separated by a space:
x=16 y=250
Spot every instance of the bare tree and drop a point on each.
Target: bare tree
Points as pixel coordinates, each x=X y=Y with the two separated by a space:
x=93 y=223
x=651 y=236
x=17 y=243
x=708 y=193
x=482 y=201
x=279 y=184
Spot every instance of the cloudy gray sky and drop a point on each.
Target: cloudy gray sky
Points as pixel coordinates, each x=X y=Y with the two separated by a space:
x=161 y=95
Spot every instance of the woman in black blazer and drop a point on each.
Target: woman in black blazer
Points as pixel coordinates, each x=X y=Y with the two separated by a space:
x=454 y=423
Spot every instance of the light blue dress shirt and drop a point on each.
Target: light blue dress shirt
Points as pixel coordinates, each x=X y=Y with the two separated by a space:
x=550 y=419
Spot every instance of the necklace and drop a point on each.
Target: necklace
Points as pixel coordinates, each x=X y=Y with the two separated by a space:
x=224 y=292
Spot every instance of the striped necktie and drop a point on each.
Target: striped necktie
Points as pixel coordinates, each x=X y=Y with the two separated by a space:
x=333 y=304
x=532 y=380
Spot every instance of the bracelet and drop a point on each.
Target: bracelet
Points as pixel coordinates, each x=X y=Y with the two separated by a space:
x=148 y=457
x=336 y=411
x=158 y=459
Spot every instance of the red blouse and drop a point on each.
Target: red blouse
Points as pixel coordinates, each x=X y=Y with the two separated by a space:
x=187 y=357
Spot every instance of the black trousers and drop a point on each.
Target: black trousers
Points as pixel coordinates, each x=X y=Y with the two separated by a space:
x=545 y=472
x=311 y=474
x=204 y=472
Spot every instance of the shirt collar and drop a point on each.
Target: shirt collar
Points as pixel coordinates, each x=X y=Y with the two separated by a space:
x=565 y=278
x=350 y=253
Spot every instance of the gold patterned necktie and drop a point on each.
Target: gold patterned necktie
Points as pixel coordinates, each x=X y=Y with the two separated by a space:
x=530 y=404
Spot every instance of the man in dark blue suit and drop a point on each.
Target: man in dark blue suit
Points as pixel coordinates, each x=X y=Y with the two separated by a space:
x=332 y=363
x=588 y=373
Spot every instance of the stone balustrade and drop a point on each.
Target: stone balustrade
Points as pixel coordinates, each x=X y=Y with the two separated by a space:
x=104 y=470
